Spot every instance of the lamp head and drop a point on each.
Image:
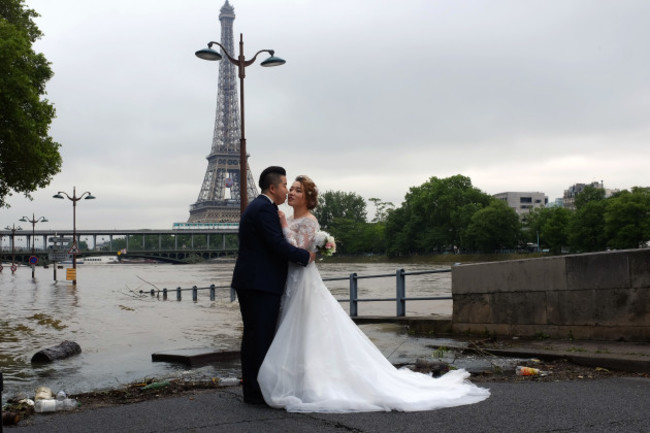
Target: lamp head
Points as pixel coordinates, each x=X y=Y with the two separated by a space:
x=58 y=195
x=23 y=219
x=273 y=61
x=90 y=197
x=208 y=54
x=44 y=220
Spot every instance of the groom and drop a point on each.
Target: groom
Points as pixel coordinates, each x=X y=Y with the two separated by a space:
x=260 y=274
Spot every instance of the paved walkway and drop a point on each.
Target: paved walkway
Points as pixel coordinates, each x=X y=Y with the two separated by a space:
x=616 y=404
x=590 y=406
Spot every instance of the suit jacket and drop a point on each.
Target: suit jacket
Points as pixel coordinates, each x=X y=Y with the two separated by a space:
x=264 y=252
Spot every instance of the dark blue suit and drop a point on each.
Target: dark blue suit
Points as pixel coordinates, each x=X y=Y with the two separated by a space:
x=259 y=278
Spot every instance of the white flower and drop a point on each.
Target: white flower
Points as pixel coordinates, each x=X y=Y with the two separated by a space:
x=325 y=243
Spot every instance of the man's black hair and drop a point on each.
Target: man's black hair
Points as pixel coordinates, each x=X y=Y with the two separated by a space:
x=271 y=176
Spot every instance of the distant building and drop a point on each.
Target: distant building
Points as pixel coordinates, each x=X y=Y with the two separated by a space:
x=571 y=193
x=523 y=202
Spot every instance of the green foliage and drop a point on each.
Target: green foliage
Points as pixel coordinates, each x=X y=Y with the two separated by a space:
x=382 y=209
x=555 y=230
x=354 y=237
x=587 y=224
x=339 y=204
x=29 y=158
x=627 y=218
x=493 y=228
x=588 y=195
x=587 y=227
x=434 y=216
x=397 y=235
x=620 y=221
x=443 y=213
x=552 y=226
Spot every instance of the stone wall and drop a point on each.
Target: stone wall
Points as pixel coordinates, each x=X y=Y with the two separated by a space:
x=599 y=296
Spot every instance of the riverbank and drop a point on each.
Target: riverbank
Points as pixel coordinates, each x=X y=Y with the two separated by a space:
x=433 y=259
x=490 y=361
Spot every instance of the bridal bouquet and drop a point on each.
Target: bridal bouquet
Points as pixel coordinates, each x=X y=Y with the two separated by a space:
x=325 y=243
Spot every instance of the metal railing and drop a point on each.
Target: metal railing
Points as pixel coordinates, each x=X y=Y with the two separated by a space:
x=195 y=292
x=400 y=290
x=399 y=299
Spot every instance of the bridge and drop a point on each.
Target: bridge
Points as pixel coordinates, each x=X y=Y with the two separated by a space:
x=177 y=245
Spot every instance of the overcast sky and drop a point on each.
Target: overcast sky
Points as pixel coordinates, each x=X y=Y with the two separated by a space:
x=376 y=97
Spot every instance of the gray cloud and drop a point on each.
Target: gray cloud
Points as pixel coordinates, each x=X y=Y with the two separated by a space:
x=375 y=97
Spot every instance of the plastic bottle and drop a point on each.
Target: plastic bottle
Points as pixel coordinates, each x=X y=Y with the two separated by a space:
x=61 y=395
x=44 y=406
x=229 y=381
x=529 y=371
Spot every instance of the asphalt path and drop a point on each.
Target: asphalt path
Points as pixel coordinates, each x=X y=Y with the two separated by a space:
x=620 y=404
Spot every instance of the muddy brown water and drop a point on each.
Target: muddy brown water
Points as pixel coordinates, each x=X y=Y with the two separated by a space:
x=118 y=327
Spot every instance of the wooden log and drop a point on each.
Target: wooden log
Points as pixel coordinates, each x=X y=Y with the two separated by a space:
x=61 y=351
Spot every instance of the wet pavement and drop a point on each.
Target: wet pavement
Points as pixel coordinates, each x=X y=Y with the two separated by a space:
x=481 y=356
x=478 y=354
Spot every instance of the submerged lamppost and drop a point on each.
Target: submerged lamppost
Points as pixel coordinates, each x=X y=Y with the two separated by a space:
x=13 y=229
x=241 y=63
x=74 y=249
x=33 y=221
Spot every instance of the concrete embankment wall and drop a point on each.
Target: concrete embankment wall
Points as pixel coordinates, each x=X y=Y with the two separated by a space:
x=599 y=296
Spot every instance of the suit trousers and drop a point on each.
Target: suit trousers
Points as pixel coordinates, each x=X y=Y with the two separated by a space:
x=259 y=311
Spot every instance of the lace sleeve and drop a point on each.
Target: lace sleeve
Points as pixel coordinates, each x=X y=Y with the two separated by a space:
x=300 y=233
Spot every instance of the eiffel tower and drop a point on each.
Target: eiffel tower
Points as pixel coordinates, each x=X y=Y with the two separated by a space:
x=219 y=199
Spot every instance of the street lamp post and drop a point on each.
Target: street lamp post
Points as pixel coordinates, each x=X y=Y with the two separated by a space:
x=33 y=221
x=241 y=63
x=13 y=229
x=74 y=250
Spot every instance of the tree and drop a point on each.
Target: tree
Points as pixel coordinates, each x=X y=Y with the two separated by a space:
x=382 y=208
x=339 y=204
x=554 y=232
x=29 y=158
x=493 y=228
x=551 y=225
x=434 y=216
x=397 y=237
x=627 y=218
x=356 y=237
x=587 y=226
x=589 y=194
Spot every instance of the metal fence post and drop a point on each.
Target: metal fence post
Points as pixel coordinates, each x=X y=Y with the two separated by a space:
x=353 y=295
x=400 y=286
x=178 y=293
x=195 y=293
x=212 y=292
x=1 y=389
x=164 y=294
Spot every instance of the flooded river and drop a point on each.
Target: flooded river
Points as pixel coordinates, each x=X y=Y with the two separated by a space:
x=118 y=327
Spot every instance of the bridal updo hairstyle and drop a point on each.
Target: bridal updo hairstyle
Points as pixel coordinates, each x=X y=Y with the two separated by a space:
x=310 y=191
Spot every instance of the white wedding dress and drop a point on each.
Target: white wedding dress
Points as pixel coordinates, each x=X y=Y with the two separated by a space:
x=320 y=361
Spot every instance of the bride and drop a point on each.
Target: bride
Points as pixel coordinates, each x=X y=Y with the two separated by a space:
x=320 y=361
